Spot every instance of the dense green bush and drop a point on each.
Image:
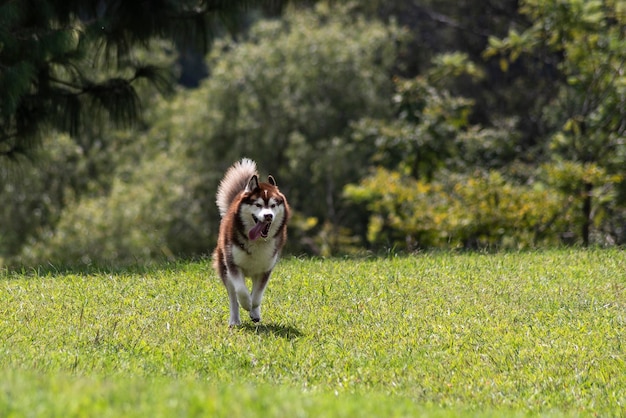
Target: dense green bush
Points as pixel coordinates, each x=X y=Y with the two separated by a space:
x=482 y=209
x=606 y=220
x=130 y=224
x=33 y=195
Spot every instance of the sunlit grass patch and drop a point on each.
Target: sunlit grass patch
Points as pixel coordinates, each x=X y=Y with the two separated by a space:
x=433 y=333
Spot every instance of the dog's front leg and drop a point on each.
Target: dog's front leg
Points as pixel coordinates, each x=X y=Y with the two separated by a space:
x=237 y=294
x=258 y=287
x=239 y=285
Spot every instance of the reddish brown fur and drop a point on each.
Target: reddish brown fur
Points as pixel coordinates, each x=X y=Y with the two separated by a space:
x=237 y=255
x=232 y=232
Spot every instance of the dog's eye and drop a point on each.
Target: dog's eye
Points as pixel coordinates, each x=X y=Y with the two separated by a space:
x=273 y=206
x=258 y=205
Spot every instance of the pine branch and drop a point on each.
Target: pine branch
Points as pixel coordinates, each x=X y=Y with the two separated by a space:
x=45 y=52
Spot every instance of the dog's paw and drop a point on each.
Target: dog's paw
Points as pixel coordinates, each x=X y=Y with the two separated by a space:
x=255 y=314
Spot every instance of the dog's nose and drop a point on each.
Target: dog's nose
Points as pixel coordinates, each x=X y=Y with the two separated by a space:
x=268 y=217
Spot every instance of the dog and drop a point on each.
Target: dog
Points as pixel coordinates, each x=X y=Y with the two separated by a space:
x=252 y=233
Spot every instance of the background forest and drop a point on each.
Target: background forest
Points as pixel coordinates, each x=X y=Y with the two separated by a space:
x=388 y=124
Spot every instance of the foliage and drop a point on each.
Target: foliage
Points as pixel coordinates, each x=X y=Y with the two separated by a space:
x=569 y=179
x=462 y=100
x=287 y=98
x=161 y=181
x=433 y=129
x=509 y=334
x=476 y=210
x=34 y=195
x=49 y=49
x=587 y=116
x=39 y=192
x=424 y=136
x=131 y=224
x=444 y=190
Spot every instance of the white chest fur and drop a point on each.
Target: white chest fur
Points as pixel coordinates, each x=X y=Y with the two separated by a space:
x=258 y=257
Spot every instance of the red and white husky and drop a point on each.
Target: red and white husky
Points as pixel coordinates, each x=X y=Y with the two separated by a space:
x=253 y=230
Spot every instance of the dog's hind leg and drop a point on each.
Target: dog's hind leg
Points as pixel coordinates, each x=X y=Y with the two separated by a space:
x=258 y=287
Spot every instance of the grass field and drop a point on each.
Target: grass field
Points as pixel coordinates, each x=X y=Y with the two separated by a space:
x=434 y=334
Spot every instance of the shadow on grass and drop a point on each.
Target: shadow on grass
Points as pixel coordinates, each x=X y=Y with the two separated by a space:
x=284 y=331
x=53 y=270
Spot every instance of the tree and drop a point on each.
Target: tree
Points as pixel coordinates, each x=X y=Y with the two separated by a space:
x=441 y=26
x=33 y=196
x=50 y=50
x=285 y=95
x=440 y=185
x=587 y=115
x=429 y=119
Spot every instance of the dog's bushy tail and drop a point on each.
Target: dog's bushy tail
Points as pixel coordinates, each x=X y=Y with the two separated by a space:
x=235 y=181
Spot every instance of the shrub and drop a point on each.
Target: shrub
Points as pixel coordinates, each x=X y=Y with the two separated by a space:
x=479 y=210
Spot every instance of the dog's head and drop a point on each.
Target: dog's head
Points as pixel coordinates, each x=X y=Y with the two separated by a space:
x=264 y=208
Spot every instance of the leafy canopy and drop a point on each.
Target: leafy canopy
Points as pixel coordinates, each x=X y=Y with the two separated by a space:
x=52 y=53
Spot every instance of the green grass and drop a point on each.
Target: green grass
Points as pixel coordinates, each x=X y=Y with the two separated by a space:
x=436 y=334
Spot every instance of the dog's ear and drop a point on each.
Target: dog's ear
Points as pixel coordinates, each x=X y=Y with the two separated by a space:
x=271 y=180
x=252 y=184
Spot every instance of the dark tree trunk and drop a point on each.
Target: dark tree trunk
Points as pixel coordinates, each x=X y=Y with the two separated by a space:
x=586 y=227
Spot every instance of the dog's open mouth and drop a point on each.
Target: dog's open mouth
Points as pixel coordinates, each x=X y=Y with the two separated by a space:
x=261 y=229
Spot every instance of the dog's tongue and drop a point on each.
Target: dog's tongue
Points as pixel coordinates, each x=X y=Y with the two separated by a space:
x=255 y=232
